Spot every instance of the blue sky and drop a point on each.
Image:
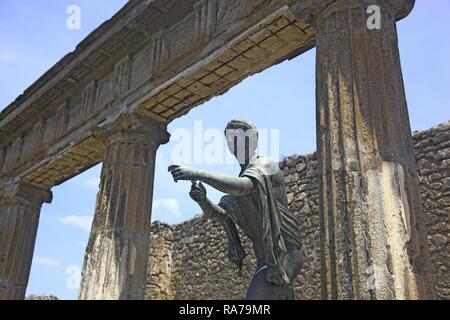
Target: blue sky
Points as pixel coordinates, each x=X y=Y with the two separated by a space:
x=34 y=36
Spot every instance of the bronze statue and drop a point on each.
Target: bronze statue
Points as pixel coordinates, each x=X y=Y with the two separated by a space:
x=256 y=201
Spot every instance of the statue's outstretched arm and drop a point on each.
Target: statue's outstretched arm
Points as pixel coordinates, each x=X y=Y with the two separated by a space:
x=235 y=186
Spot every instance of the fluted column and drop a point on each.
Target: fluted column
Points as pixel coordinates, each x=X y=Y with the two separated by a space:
x=116 y=259
x=373 y=235
x=20 y=206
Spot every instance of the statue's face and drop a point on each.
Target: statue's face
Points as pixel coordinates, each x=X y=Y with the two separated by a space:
x=242 y=144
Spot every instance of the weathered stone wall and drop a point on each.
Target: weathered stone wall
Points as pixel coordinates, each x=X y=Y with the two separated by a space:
x=432 y=149
x=189 y=260
x=207 y=271
x=303 y=198
x=160 y=265
x=43 y=298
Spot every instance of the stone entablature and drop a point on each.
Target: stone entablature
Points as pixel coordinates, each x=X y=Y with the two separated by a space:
x=160 y=58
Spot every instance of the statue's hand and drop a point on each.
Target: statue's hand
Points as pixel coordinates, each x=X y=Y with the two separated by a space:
x=198 y=192
x=183 y=173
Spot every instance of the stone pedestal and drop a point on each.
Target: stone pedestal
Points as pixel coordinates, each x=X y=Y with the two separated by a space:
x=373 y=235
x=20 y=206
x=116 y=260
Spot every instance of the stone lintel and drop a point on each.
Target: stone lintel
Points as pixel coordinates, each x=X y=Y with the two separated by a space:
x=167 y=63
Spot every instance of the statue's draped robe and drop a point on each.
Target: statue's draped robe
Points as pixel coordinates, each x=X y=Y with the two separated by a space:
x=278 y=223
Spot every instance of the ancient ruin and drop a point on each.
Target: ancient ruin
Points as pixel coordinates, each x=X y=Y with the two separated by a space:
x=111 y=99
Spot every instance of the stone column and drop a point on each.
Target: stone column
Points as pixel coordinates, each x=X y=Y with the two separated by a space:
x=116 y=259
x=373 y=235
x=20 y=206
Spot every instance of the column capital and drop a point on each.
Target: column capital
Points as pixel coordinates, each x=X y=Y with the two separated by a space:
x=24 y=193
x=132 y=127
x=398 y=8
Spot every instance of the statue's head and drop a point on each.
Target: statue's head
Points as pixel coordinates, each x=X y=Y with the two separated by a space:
x=242 y=139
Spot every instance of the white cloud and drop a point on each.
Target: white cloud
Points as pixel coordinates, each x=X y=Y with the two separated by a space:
x=47 y=262
x=92 y=183
x=8 y=57
x=83 y=222
x=168 y=206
